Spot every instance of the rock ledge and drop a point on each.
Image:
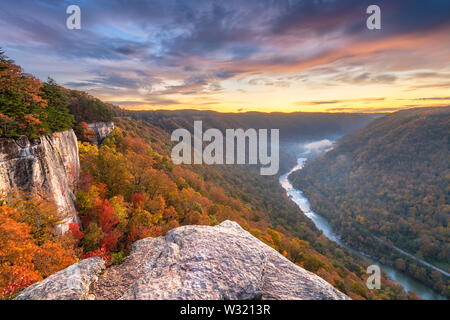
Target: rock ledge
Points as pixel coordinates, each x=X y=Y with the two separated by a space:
x=197 y=262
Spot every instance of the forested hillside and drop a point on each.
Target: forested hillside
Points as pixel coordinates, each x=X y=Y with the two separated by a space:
x=295 y=128
x=307 y=125
x=129 y=189
x=134 y=166
x=32 y=108
x=388 y=184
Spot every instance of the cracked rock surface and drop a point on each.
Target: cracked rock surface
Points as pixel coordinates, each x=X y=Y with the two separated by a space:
x=195 y=262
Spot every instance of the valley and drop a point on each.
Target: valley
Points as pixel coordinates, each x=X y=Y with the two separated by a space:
x=384 y=188
x=322 y=224
x=126 y=188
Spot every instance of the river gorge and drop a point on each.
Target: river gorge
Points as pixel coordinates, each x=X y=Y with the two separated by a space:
x=409 y=283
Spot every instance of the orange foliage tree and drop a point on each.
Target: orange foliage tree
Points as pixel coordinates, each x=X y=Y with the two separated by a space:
x=29 y=251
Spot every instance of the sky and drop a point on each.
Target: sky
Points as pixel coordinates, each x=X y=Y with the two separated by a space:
x=238 y=55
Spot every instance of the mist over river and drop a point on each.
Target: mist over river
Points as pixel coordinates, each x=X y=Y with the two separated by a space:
x=409 y=283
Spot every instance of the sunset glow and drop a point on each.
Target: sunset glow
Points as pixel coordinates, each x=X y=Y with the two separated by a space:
x=236 y=56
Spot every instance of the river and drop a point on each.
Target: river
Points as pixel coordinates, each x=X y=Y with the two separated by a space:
x=409 y=283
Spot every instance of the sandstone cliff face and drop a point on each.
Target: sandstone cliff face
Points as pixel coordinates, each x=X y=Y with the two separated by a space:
x=48 y=166
x=102 y=130
x=195 y=262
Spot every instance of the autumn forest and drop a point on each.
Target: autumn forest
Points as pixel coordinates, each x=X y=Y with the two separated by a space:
x=129 y=189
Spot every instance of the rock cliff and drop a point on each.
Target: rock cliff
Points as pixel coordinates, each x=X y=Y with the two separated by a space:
x=191 y=262
x=102 y=130
x=48 y=166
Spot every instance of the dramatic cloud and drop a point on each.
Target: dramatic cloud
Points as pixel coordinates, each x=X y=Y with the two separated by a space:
x=435 y=98
x=339 y=101
x=228 y=54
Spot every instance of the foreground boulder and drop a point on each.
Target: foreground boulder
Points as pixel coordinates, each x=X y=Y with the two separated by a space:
x=72 y=283
x=202 y=262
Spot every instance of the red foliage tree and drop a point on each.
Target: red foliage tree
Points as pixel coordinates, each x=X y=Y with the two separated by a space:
x=110 y=240
x=101 y=253
x=83 y=132
x=138 y=200
x=107 y=216
x=141 y=232
x=74 y=230
x=21 y=279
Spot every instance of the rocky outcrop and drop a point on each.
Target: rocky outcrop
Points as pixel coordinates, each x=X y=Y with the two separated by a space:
x=202 y=262
x=48 y=166
x=102 y=130
x=72 y=283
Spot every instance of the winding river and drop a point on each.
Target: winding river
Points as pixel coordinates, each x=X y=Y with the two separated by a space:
x=409 y=283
